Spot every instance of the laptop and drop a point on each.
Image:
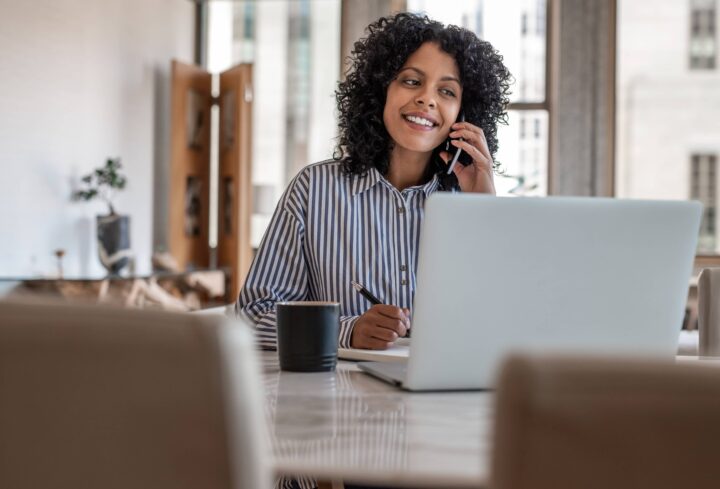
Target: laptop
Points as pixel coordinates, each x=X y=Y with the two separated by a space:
x=554 y=275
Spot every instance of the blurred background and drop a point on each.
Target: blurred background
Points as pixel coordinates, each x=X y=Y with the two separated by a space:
x=611 y=98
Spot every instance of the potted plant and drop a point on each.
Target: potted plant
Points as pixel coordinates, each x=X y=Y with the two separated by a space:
x=113 y=229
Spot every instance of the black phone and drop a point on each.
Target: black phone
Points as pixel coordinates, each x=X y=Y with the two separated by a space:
x=460 y=155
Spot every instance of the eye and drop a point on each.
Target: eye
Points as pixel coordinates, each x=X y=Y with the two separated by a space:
x=412 y=82
x=448 y=92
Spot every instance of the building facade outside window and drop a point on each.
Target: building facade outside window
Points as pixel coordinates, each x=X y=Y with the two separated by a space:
x=668 y=110
x=703 y=187
x=703 y=34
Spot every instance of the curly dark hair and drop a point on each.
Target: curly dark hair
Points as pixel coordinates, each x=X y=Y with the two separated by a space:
x=364 y=142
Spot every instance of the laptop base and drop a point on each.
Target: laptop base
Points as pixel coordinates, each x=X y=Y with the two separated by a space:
x=393 y=373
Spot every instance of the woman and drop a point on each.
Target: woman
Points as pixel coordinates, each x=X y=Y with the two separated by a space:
x=357 y=217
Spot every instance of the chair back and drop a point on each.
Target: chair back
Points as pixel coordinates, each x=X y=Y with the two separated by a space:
x=96 y=397
x=565 y=423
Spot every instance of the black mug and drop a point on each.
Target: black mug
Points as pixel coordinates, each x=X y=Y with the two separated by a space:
x=307 y=335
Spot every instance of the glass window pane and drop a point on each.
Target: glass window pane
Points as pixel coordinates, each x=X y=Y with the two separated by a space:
x=523 y=154
x=294 y=46
x=668 y=105
x=516 y=28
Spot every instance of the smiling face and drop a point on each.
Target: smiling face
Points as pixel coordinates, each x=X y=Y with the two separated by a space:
x=423 y=101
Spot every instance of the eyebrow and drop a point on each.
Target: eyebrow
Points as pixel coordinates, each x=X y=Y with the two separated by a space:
x=421 y=72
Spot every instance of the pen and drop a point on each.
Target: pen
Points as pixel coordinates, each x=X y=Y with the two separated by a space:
x=369 y=296
x=365 y=293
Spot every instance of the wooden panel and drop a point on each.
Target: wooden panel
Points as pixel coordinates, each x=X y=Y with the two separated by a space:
x=235 y=186
x=188 y=211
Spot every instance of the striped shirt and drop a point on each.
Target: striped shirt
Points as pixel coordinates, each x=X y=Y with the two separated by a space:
x=328 y=229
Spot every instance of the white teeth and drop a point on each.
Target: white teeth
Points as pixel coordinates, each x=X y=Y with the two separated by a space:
x=419 y=120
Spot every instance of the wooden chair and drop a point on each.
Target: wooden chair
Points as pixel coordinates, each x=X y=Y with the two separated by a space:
x=588 y=423
x=93 y=397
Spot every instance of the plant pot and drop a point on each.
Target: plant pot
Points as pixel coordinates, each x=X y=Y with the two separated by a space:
x=113 y=234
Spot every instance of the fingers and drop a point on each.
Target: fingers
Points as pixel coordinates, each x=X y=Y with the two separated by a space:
x=477 y=156
x=389 y=311
x=477 y=177
x=380 y=327
x=368 y=335
x=375 y=344
x=480 y=162
x=395 y=315
x=479 y=143
x=383 y=334
x=472 y=134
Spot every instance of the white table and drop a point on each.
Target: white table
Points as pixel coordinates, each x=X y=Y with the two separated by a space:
x=345 y=425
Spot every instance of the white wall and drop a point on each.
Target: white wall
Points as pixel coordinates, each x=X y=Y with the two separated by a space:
x=81 y=81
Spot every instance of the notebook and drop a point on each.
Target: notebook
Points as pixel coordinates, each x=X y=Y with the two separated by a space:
x=396 y=353
x=554 y=274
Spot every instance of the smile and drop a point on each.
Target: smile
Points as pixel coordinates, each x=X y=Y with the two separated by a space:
x=421 y=121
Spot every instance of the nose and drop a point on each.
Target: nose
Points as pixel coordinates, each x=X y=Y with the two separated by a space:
x=426 y=99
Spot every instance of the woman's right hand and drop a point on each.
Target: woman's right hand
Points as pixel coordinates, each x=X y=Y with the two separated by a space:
x=380 y=326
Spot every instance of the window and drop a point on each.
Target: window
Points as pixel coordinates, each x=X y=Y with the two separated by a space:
x=703 y=42
x=540 y=15
x=500 y=23
x=294 y=46
x=667 y=117
x=703 y=187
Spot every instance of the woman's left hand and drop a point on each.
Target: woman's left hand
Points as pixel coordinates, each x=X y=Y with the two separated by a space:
x=477 y=176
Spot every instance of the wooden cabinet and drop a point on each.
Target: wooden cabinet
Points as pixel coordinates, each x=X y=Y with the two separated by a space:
x=191 y=200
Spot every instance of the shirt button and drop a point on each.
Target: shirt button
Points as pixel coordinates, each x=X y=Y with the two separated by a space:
x=403 y=282
x=401 y=210
x=403 y=268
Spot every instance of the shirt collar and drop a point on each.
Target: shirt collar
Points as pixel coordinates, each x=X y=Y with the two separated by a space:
x=362 y=183
x=432 y=185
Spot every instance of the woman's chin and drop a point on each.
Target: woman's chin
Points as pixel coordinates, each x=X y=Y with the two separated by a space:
x=414 y=147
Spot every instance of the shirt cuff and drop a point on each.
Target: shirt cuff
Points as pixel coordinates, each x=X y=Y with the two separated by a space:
x=347 y=323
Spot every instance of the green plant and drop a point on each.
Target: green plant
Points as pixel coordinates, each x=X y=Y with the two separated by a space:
x=102 y=183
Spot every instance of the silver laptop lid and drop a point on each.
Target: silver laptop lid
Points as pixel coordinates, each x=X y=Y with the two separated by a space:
x=545 y=274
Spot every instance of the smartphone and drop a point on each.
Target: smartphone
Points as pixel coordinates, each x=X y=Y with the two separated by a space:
x=463 y=158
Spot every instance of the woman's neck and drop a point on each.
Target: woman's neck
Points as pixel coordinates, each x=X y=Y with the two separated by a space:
x=407 y=168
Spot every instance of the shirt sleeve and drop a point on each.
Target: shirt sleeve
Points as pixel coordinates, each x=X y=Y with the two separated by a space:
x=347 y=323
x=278 y=273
